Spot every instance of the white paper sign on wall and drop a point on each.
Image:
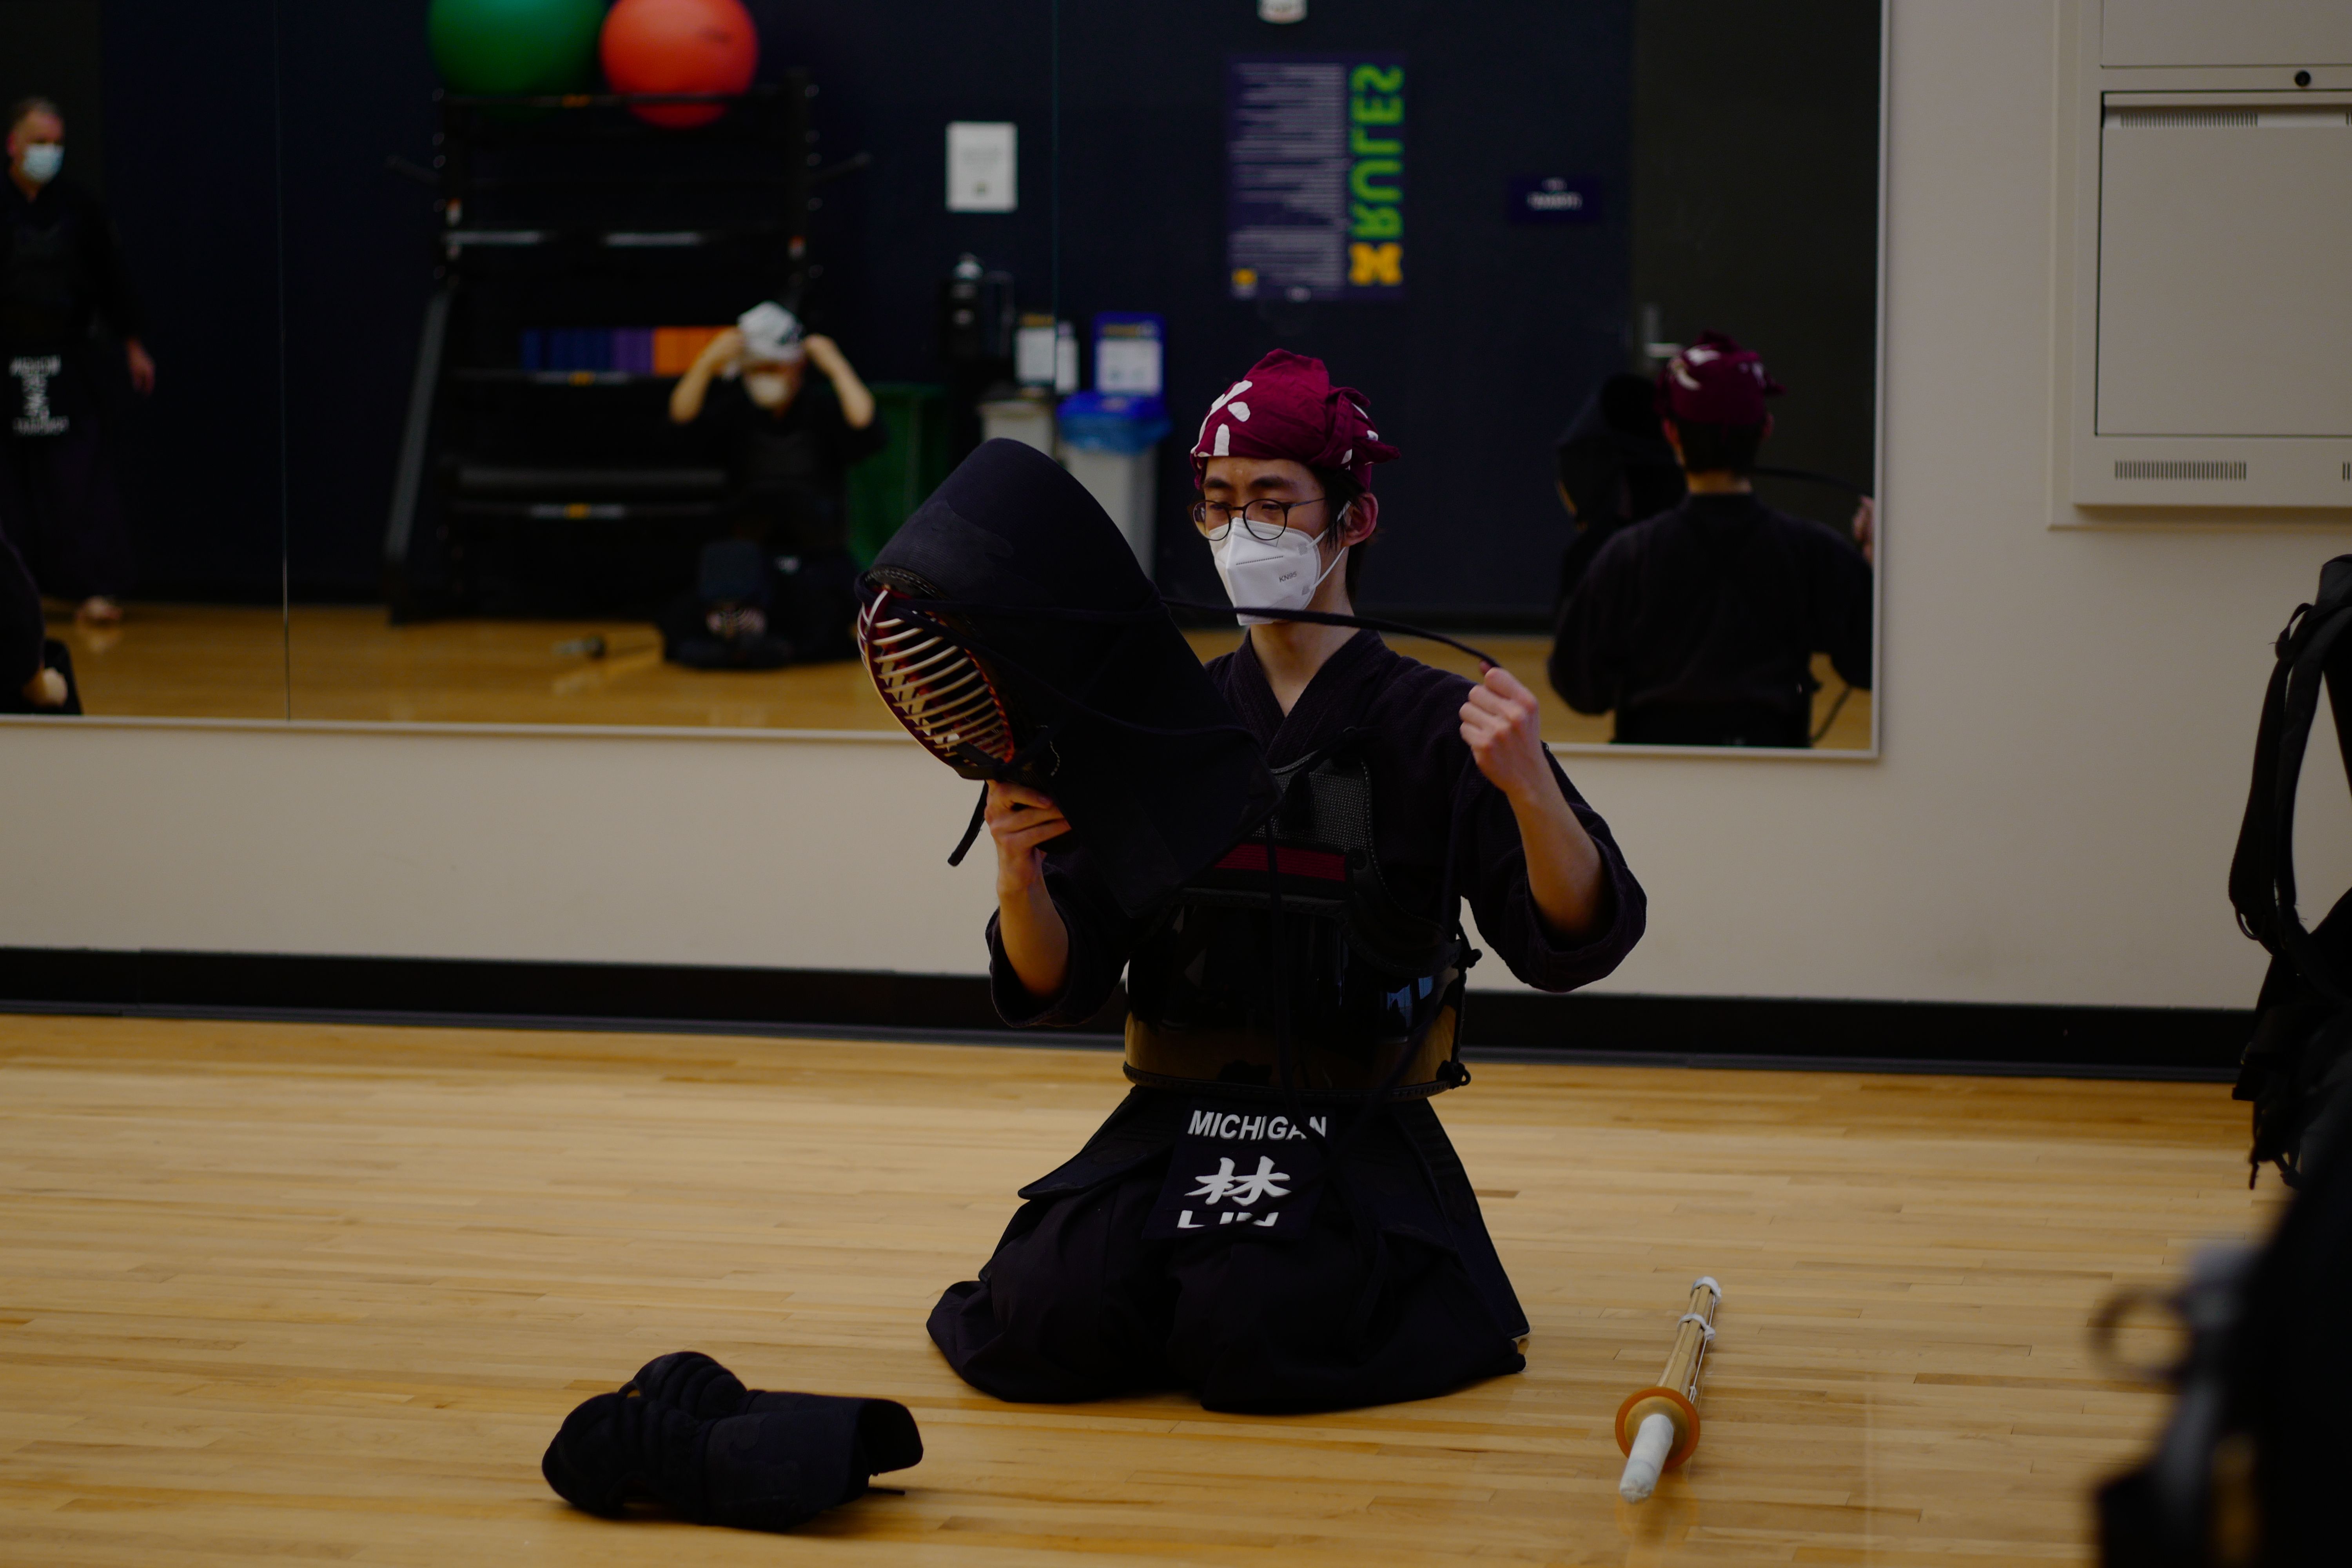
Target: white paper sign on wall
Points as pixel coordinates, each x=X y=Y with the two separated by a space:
x=981 y=166
x=1127 y=353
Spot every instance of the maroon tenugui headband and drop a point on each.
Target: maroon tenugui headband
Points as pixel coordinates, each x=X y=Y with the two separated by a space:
x=1715 y=382
x=1286 y=407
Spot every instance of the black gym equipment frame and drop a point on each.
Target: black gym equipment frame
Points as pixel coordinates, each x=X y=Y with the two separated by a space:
x=523 y=490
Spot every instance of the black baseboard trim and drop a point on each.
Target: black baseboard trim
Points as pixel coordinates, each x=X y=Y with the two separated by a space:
x=2005 y=1039
x=546 y=993
x=1906 y=1066
x=1978 y=1037
x=876 y=1033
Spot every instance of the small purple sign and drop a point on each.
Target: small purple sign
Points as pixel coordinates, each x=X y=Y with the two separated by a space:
x=1555 y=198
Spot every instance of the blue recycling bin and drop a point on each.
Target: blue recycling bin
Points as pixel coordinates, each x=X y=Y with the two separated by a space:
x=1110 y=443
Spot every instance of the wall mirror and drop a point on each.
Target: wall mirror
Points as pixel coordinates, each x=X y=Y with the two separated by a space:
x=430 y=308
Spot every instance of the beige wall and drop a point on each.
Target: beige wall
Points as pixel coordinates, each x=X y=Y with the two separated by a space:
x=2068 y=715
x=549 y=844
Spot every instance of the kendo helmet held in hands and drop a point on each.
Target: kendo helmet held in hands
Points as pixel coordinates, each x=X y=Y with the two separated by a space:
x=1008 y=627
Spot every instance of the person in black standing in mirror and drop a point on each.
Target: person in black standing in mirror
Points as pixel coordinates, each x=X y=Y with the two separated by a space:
x=1615 y=468
x=791 y=442
x=61 y=274
x=1698 y=626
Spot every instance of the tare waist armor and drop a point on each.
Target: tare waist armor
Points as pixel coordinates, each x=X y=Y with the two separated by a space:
x=1369 y=993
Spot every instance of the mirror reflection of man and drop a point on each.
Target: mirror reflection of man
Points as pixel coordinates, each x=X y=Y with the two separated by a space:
x=60 y=272
x=1698 y=626
x=790 y=443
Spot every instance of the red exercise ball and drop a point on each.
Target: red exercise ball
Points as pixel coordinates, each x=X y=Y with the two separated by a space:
x=679 y=45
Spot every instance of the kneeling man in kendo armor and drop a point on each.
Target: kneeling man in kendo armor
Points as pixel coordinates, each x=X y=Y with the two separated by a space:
x=1272 y=1217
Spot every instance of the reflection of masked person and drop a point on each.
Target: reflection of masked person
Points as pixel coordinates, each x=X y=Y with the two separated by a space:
x=789 y=441
x=60 y=272
x=1615 y=467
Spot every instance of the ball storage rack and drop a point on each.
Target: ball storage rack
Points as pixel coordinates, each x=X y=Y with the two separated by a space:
x=523 y=490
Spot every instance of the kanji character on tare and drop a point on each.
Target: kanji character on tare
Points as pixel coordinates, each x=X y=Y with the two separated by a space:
x=1246 y=1190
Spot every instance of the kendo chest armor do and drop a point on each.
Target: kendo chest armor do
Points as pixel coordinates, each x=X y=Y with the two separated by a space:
x=1316 y=949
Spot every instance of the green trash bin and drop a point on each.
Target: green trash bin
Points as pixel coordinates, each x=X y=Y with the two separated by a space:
x=888 y=486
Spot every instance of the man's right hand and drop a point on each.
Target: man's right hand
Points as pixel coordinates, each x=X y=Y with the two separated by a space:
x=1021 y=822
x=1036 y=942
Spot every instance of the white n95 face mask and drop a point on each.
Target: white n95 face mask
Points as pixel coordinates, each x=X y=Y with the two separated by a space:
x=1279 y=576
x=43 y=160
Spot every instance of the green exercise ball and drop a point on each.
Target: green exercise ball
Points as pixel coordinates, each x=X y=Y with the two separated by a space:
x=515 y=46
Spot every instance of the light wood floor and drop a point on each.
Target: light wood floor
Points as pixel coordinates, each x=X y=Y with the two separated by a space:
x=309 y=1293
x=348 y=663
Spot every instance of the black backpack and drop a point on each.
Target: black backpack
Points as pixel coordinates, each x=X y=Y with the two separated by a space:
x=2297 y=1059
x=2260 y=1434
x=2244 y=1475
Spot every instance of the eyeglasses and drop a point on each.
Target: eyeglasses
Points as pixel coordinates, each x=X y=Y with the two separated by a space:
x=1263 y=520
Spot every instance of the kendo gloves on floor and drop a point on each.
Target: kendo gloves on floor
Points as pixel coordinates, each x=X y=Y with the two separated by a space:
x=686 y=1433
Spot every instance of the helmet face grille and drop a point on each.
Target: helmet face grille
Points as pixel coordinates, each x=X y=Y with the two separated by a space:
x=936 y=689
